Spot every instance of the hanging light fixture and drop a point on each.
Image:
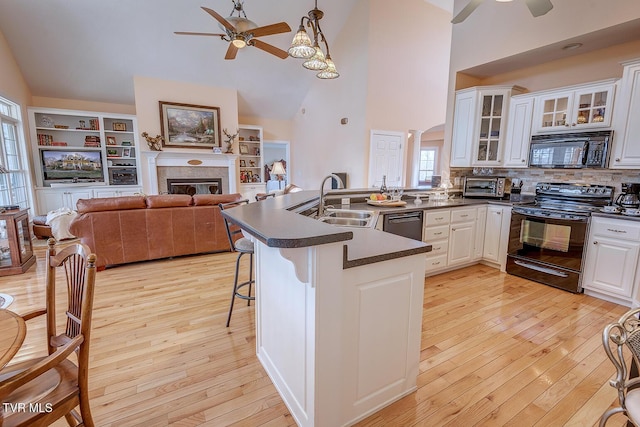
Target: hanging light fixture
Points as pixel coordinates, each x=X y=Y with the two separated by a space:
x=303 y=48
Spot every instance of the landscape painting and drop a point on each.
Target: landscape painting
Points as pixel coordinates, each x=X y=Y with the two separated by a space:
x=186 y=125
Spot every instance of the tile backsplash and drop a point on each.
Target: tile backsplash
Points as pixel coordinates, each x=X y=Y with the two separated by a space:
x=530 y=177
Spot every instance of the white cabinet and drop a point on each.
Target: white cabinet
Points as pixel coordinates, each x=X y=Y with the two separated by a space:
x=516 y=150
x=496 y=235
x=116 y=192
x=454 y=237
x=626 y=150
x=83 y=146
x=462 y=236
x=578 y=108
x=479 y=125
x=249 y=191
x=52 y=199
x=611 y=261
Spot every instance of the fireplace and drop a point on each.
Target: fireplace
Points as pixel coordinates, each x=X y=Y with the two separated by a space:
x=194 y=186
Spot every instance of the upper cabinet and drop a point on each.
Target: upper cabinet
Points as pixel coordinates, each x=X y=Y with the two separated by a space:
x=626 y=150
x=479 y=125
x=516 y=150
x=574 y=108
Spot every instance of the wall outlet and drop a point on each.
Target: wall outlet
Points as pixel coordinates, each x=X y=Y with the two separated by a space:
x=456 y=181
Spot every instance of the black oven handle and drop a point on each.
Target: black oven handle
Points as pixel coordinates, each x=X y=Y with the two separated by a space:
x=518 y=211
x=541 y=269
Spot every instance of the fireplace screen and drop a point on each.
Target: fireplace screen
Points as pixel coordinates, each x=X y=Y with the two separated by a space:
x=195 y=186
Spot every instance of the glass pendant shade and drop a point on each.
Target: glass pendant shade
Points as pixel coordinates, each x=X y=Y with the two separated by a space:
x=317 y=62
x=301 y=45
x=330 y=72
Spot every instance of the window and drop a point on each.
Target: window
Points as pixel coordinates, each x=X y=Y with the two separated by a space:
x=14 y=178
x=427 y=165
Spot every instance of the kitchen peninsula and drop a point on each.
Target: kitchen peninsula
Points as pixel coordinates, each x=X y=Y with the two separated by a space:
x=338 y=311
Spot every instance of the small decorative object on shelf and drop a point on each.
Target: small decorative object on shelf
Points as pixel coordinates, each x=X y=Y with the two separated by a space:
x=119 y=126
x=154 y=143
x=229 y=140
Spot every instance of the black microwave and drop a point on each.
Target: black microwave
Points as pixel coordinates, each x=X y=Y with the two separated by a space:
x=570 y=150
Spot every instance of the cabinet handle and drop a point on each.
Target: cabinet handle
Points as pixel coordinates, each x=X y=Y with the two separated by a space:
x=595 y=243
x=617 y=160
x=523 y=160
x=464 y=216
x=453 y=229
x=498 y=213
x=613 y=230
x=440 y=218
x=437 y=234
x=435 y=263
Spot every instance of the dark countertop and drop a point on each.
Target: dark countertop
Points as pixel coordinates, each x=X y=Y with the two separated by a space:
x=273 y=224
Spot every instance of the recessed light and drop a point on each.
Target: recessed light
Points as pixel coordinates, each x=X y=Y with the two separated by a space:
x=572 y=46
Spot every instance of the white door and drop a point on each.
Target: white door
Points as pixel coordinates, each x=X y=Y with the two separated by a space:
x=386 y=158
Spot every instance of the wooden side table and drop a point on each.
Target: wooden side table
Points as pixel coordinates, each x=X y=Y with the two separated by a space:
x=16 y=250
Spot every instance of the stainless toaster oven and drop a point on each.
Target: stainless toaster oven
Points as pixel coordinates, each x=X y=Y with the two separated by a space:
x=484 y=186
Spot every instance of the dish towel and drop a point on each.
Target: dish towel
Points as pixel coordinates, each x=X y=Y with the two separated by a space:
x=59 y=220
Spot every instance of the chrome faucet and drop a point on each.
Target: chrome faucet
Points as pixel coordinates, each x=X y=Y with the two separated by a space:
x=324 y=180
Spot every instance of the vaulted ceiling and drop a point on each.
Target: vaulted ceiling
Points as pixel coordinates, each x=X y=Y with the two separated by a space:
x=90 y=49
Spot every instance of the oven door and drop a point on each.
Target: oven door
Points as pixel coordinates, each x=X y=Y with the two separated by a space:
x=547 y=250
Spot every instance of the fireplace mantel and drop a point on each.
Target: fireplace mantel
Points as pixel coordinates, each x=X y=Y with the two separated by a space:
x=154 y=159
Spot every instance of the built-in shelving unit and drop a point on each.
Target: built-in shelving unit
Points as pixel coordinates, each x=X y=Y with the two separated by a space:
x=251 y=168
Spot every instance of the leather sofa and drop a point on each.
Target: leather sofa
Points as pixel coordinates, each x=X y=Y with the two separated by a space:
x=128 y=229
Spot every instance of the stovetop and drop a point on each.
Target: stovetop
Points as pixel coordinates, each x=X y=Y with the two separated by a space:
x=568 y=200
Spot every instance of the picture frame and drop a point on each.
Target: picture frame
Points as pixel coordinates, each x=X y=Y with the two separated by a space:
x=126 y=152
x=119 y=126
x=243 y=164
x=244 y=149
x=111 y=140
x=190 y=126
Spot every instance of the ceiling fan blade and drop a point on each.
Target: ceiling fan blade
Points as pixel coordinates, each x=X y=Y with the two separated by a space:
x=466 y=11
x=220 y=19
x=267 y=30
x=232 y=51
x=269 y=48
x=188 y=33
x=539 y=7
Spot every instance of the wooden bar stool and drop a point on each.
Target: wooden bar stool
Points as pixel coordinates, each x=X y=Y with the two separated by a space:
x=242 y=246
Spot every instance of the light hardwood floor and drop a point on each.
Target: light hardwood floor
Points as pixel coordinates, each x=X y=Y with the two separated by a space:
x=496 y=350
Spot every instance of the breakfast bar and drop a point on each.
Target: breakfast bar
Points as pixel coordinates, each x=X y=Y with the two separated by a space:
x=338 y=323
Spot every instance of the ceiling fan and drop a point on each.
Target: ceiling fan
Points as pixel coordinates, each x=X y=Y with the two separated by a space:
x=240 y=31
x=537 y=8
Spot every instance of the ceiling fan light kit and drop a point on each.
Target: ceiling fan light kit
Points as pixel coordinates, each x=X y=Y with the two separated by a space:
x=239 y=32
x=302 y=47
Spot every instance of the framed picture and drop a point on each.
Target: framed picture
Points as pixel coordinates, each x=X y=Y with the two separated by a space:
x=243 y=164
x=111 y=140
x=193 y=126
x=244 y=149
x=119 y=126
x=126 y=152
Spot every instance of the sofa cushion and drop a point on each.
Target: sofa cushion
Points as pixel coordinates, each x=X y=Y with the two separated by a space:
x=110 y=204
x=215 y=199
x=169 y=201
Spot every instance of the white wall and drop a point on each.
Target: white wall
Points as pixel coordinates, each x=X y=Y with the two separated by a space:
x=393 y=77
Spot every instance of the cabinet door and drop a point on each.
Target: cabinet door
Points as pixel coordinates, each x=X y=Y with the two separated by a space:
x=518 y=133
x=626 y=150
x=49 y=200
x=249 y=191
x=492 y=235
x=481 y=220
x=463 y=128
x=593 y=107
x=73 y=196
x=461 y=238
x=611 y=265
x=488 y=138
x=553 y=112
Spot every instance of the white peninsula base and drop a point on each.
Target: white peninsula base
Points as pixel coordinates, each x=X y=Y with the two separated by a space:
x=338 y=344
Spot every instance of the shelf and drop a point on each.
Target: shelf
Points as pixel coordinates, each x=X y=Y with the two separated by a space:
x=68 y=148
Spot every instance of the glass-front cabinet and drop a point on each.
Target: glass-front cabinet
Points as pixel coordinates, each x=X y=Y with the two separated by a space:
x=479 y=125
x=576 y=108
x=16 y=251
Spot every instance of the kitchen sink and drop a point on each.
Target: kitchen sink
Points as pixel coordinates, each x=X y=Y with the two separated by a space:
x=349 y=218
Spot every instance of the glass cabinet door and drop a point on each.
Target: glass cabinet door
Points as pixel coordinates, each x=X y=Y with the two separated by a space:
x=593 y=108
x=24 y=239
x=490 y=122
x=5 y=250
x=555 y=111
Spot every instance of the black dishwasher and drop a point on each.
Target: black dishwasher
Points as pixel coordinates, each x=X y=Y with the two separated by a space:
x=407 y=224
